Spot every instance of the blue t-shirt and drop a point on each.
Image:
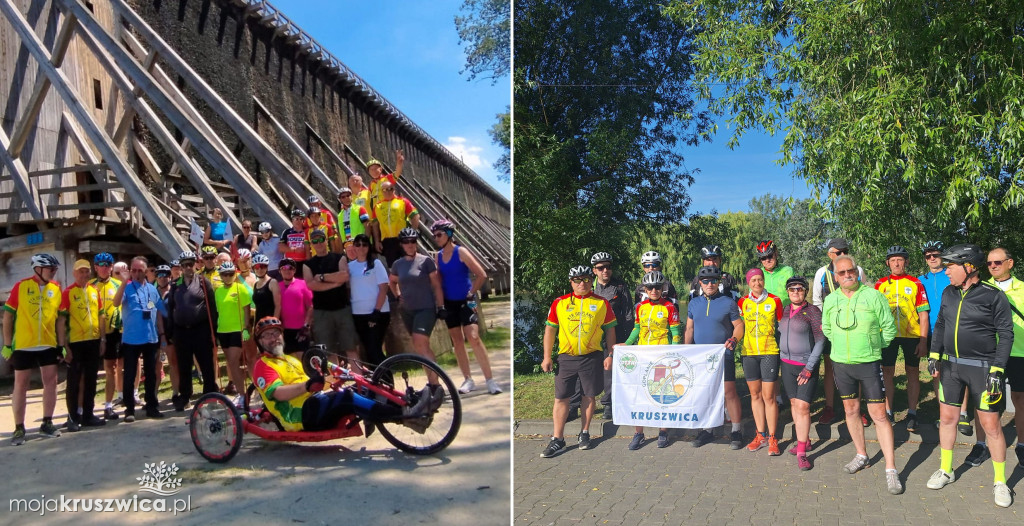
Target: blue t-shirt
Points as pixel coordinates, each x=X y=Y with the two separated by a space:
x=712 y=318
x=138 y=299
x=934 y=283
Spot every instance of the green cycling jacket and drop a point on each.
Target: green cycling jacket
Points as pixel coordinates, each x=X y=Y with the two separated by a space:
x=859 y=327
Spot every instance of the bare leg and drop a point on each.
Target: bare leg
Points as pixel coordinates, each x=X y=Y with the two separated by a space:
x=172 y=360
x=49 y=376
x=235 y=372
x=1018 y=418
x=830 y=384
x=479 y=351
x=559 y=413
x=421 y=343
x=883 y=430
x=770 y=406
x=913 y=387
x=801 y=419
x=589 y=404
x=989 y=421
x=18 y=397
x=853 y=425
x=460 y=351
x=890 y=387
x=757 y=404
x=110 y=379
x=732 y=403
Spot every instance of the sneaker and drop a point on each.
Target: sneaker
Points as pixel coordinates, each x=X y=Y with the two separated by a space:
x=436 y=397
x=154 y=413
x=19 y=437
x=179 y=402
x=827 y=416
x=110 y=414
x=608 y=415
x=415 y=414
x=892 y=480
x=758 y=442
x=773 y=447
x=803 y=462
x=72 y=426
x=556 y=446
x=117 y=401
x=979 y=454
x=792 y=449
x=703 y=437
x=864 y=421
x=736 y=440
x=964 y=426
x=129 y=418
x=1019 y=450
x=493 y=387
x=662 y=439
x=238 y=401
x=940 y=479
x=638 y=438
x=49 y=430
x=92 y=421
x=858 y=463
x=911 y=422
x=584 y=440
x=467 y=386
x=1002 y=495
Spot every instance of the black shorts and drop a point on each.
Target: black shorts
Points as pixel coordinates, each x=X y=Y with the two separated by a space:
x=729 y=363
x=459 y=314
x=589 y=368
x=113 y=350
x=292 y=343
x=420 y=321
x=25 y=360
x=955 y=377
x=804 y=392
x=761 y=368
x=909 y=345
x=1015 y=374
x=868 y=375
x=229 y=339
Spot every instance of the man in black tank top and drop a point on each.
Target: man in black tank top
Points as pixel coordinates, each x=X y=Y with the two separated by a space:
x=327 y=277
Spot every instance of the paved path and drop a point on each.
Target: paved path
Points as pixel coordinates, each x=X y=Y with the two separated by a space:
x=715 y=485
x=345 y=481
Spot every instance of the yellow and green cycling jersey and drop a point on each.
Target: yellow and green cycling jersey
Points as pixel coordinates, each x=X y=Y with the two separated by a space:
x=907 y=299
x=657 y=323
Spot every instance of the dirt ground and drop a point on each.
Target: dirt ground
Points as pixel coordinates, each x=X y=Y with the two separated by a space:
x=349 y=480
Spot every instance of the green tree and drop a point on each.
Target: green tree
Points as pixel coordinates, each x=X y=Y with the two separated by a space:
x=602 y=103
x=905 y=116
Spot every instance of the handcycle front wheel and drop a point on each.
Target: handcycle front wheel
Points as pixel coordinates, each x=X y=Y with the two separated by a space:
x=216 y=427
x=409 y=374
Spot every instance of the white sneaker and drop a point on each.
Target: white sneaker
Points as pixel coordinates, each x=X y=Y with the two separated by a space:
x=492 y=386
x=940 y=479
x=467 y=386
x=1003 y=498
x=238 y=401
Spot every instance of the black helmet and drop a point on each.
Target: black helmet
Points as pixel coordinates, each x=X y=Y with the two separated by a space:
x=965 y=253
x=711 y=251
x=601 y=257
x=653 y=279
x=896 y=250
x=765 y=248
x=408 y=233
x=932 y=246
x=797 y=280
x=709 y=271
x=581 y=271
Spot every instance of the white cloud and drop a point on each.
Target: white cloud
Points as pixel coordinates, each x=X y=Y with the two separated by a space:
x=470 y=155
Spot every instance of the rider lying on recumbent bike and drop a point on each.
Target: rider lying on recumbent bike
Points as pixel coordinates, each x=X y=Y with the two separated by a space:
x=300 y=403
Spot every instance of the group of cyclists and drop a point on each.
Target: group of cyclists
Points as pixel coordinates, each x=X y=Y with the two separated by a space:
x=322 y=280
x=969 y=330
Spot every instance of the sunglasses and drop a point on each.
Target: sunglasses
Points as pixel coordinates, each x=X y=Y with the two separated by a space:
x=577 y=281
x=651 y=265
x=653 y=287
x=260 y=266
x=387 y=190
x=344 y=196
x=996 y=263
x=404 y=242
x=163 y=275
x=846 y=272
x=601 y=268
x=318 y=240
x=933 y=255
x=796 y=289
x=766 y=258
x=840 y=252
x=286 y=267
x=438 y=234
x=102 y=264
x=709 y=281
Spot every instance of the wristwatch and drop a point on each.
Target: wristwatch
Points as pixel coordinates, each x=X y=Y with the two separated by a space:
x=321 y=278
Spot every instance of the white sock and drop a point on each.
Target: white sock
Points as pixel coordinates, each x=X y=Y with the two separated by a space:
x=107 y=405
x=736 y=426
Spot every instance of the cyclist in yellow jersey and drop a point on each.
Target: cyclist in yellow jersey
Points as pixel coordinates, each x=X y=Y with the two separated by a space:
x=110 y=340
x=909 y=304
x=81 y=306
x=579 y=320
x=656 y=320
x=30 y=341
x=761 y=312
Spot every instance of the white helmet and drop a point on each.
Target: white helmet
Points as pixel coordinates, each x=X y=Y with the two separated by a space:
x=266 y=227
x=650 y=257
x=260 y=259
x=44 y=260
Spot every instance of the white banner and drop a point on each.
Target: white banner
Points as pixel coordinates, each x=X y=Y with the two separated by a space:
x=196 y=234
x=678 y=386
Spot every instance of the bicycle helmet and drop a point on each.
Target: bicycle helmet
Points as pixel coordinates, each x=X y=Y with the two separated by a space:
x=244 y=253
x=965 y=253
x=297 y=212
x=226 y=268
x=188 y=254
x=372 y=162
x=344 y=190
x=260 y=259
x=650 y=257
x=286 y=262
x=209 y=250
x=797 y=280
x=896 y=250
x=103 y=257
x=653 y=279
x=932 y=246
x=267 y=323
x=711 y=251
x=408 y=233
x=313 y=199
x=581 y=271
x=313 y=210
x=765 y=248
x=709 y=272
x=164 y=270
x=175 y=263
x=443 y=225
x=600 y=257
x=266 y=227
x=44 y=260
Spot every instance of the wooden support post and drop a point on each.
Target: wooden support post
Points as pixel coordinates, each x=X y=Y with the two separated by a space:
x=78 y=138
x=138 y=194
x=19 y=175
x=126 y=120
x=330 y=151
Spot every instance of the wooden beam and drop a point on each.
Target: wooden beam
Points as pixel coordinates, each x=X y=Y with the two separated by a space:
x=126 y=120
x=147 y=158
x=68 y=169
x=19 y=175
x=138 y=194
x=290 y=141
x=84 y=229
x=78 y=138
x=95 y=246
x=42 y=87
x=330 y=151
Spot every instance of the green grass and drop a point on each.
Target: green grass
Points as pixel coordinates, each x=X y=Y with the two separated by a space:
x=496 y=338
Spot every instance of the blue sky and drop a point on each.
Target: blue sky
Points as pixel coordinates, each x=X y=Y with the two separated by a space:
x=410 y=53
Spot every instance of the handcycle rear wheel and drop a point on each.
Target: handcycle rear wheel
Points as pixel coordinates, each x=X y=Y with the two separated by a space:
x=216 y=427
x=254 y=402
x=407 y=373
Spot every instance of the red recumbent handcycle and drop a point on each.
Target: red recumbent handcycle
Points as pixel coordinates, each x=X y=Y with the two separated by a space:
x=217 y=425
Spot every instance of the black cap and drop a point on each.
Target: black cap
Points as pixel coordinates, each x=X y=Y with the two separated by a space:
x=839 y=243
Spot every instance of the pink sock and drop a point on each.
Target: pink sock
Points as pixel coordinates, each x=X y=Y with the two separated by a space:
x=801 y=447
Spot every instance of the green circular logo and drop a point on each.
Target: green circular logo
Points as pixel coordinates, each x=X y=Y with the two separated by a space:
x=628 y=362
